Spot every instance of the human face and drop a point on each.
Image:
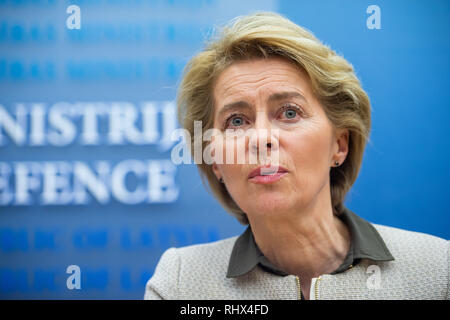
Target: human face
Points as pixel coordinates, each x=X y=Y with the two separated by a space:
x=275 y=94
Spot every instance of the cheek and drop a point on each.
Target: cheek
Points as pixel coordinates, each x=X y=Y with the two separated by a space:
x=235 y=184
x=232 y=174
x=309 y=151
x=233 y=150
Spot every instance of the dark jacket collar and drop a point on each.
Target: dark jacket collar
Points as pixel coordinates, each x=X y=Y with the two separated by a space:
x=366 y=243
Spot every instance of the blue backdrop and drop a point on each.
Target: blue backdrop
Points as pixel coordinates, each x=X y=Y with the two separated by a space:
x=86 y=116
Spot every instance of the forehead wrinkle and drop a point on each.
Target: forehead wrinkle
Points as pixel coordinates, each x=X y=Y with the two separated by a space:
x=243 y=99
x=236 y=77
x=253 y=78
x=246 y=90
x=245 y=83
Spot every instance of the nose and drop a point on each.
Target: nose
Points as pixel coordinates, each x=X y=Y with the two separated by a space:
x=263 y=138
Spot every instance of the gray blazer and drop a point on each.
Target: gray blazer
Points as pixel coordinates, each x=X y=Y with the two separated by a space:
x=420 y=271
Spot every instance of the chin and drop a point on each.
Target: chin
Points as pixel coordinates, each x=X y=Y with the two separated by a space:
x=271 y=203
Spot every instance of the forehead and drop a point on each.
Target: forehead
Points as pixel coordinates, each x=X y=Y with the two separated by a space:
x=258 y=76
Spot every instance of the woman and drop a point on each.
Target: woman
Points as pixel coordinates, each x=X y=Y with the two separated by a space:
x=266 y=74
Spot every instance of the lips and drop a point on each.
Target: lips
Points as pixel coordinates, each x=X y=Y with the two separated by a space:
x=266 y=171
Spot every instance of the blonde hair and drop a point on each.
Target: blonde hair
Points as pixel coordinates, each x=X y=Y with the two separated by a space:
x=334 y=83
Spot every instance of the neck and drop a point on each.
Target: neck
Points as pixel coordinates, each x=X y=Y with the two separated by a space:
x=306 y=242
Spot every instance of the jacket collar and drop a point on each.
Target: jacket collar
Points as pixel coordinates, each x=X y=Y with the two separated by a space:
x=366 y=243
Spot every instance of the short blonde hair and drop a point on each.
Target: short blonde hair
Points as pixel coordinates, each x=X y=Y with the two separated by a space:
x=265 y=35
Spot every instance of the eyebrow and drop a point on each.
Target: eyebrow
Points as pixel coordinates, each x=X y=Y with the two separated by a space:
x=238 y=105
x=286 y=95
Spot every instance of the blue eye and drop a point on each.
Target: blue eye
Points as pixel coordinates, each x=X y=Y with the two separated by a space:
x=290 y=113
x=237 y=121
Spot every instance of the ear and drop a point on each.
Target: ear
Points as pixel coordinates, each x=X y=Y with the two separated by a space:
x=215 y=167
x=341 y=145
x=216 y=171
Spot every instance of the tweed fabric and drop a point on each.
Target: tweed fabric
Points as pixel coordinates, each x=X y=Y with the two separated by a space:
x=420 y=271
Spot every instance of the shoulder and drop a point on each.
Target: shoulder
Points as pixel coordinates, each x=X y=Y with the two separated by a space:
x=204 y=258
x=396 y=239
x=208 y=251
x=421 y=259
x=178 y=265
x=417 y=246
